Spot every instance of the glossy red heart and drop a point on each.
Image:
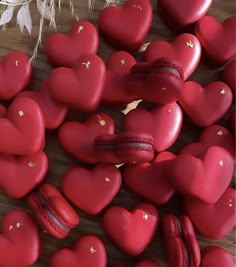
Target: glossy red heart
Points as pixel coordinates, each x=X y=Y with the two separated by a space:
x=15 y=64
x=81 y=86
x=205 y=178
x=228 y=75
x=217 y=257
x=19 y=175
x=63 y=50
x=214 y=221
x=92 y=190
x=89 y=251
x=131 y=231
x=19 y=240
x=3 y=111
x=149 y=180
x=206 y=105
x=113 y=21
x=185 y=50
x=23 y=131
x=142 y=263
x=183 y=15
x=118 y=66
x=53 y=111
x=214 y=35
x=78 y=138
x=162 y=122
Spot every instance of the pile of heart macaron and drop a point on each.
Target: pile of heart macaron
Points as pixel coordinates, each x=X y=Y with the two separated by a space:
x=80 y=81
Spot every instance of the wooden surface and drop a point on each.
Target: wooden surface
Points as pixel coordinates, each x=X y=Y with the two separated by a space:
x=59 y=160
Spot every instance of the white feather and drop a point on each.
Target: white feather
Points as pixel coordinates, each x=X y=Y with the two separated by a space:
x=6 y=16
x=44 y=10
x=24 y=18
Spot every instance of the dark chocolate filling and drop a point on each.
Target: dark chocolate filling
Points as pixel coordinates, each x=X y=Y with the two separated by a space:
x=171 y=70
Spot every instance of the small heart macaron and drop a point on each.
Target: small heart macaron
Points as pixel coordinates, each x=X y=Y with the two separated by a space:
x=88 y=251
x=23 y=131
x=81 y=86
x=215 y=35
x=113 y=21
x=213 y=220
x=228 y=75
x=78 y=138
x=19 y=175
x=15 y=64
x=185 y=51
x=205 y=105
x=63 y=50
x=19 y=240
x=163 y=123
x=92 y=190
x=131 y=231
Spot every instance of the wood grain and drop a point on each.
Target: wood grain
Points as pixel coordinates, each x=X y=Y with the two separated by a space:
x=60 y=161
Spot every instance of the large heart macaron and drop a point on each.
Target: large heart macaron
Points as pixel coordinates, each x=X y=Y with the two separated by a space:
x=92 y=190
x=53 y=111
x=88 y=251
x=63 y=50
x=131 y=231
x=206 y=177
x=19 y=175
x=80 y=86
x=15 y=64
x=149 y=180
x=118 y=66
x=185 y=50
x=213 y=220
x=78 y=138
x=23 y=131
x=206 y=105
x=19 y=240
x=228 y=75
x=163 y=123
x=126 y=27
x=215 y=35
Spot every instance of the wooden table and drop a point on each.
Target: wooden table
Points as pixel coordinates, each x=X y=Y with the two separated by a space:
x=59 y=160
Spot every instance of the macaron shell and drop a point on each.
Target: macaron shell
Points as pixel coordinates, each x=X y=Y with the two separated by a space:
x=229 y=75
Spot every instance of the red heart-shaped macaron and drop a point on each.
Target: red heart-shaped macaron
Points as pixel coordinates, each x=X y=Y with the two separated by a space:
x=118 y=66
x=23 y=131
x=131 y=231
x=15 y=64
x=205 y=178
x=149 y=180
x=185 y=50
x=126 y=27
x=19 y=175
x=206 y=105
x=228 y=75
x=214 y=35
x=63 y=50
x=78 y=138
x=88 y=251
x=92 y=190
x=142 y=263
x=19 y=240
x=213 y=220
x=163 y=123
x=81 y=86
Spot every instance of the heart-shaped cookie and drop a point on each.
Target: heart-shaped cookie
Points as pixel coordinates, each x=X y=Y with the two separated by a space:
x=92 y=190
x=19 y=240
x=63 y=50
x=15 y=64
x=53 y=111
x=210 y=174
x=163 y=123
x=88 y=251
x=185 y=50
x=23 y=131
x=78 y=138
x=19 y=175
x=206 y=105
x=81 y=86
x=113 y=21
x=228 y=75
x=131 y=231
x=148 y=179
x=214 y=35
x=213 y=220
